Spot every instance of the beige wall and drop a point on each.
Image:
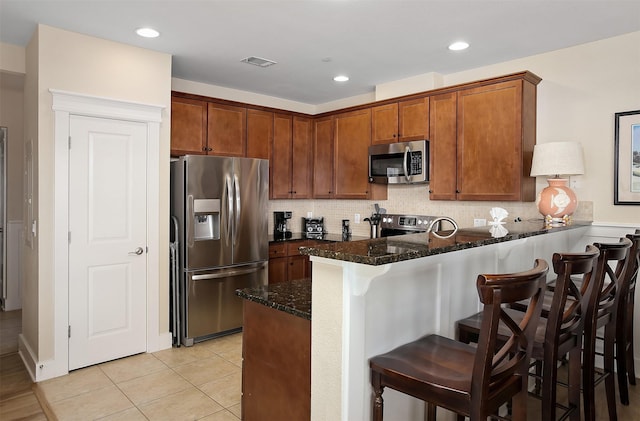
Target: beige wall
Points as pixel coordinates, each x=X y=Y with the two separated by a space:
x=12 y=117
x=582 y=88
x=77 y=63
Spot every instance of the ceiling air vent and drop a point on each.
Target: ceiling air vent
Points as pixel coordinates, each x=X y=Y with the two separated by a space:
x=257 y=61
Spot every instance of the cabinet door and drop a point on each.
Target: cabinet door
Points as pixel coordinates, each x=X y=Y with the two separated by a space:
x=490 y=142
x=384 y=124
x=413 y=119
x=259 y=133
x=281 y=157
x=301 y=160
x=278 y=270
x=298 y=267
x=352 y=137
x=188 y=126
x=442 y=146
x=226 y=130
x=323 y=158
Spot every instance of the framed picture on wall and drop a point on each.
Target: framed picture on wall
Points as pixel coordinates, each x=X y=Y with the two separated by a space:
x=626 y=188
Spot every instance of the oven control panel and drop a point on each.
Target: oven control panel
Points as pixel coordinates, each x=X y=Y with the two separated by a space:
x=415 y=223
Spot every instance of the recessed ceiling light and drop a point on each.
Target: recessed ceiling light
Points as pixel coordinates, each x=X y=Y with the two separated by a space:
x=459 y=45
x=147 y=32
x=341 y=78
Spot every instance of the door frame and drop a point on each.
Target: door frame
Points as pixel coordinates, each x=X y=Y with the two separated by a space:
x=66 y=104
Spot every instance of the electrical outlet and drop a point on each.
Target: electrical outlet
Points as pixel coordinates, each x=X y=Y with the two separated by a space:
x=309 y=214
x=479 y=222
x=356 y=218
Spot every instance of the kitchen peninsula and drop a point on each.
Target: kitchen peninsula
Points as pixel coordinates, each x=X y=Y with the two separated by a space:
x=370 y=296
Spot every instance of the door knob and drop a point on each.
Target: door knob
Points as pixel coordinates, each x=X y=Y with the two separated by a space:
x=137 y=251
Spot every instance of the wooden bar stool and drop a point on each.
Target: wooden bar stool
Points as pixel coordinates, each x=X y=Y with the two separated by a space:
x=557 y=335
x=612 y=269
x=624 y=330
x=470 y=381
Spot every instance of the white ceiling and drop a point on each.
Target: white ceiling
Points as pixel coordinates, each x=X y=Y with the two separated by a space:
x=371 y=41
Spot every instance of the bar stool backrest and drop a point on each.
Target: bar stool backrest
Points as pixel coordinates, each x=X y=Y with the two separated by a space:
x=575 y=273
x=495 y=364
x=612 y=276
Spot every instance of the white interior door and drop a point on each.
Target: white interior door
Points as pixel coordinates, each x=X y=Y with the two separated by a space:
x=107 y=240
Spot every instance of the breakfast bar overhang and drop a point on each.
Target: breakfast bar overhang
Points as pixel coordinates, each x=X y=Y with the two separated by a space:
x=371 y=296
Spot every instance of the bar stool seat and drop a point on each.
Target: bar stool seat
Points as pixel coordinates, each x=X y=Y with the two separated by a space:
x=471 y=381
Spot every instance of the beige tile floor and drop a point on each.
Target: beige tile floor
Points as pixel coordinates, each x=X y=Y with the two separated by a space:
x=202 y=382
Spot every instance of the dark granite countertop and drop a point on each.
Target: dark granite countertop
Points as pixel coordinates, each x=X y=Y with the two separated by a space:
x=331 y=238
x=293 y=297
x=385 y=250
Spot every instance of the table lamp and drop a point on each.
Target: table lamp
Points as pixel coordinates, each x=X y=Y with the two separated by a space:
x=557 y=202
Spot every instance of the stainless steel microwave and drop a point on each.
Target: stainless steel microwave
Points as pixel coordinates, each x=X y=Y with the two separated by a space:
x=399 y=163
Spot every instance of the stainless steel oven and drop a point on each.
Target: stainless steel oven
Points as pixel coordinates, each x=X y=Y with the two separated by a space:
x=398 y=224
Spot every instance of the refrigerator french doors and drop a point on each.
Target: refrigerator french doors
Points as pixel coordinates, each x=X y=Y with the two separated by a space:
x=220 y=205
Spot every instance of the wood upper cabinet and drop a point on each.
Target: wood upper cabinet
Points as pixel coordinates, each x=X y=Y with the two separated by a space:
x=443 y=146
x=495 y=139
x=188 y=126
x=352 y=138
x=280 y=168
x=400 y=121
x=384 y=123
x=291 y=158
x=259 y=133
x=301 y=159
x=226 y=129
x=323 y=158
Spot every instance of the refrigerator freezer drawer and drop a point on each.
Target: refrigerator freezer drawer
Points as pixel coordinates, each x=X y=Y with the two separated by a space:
x=212 y=306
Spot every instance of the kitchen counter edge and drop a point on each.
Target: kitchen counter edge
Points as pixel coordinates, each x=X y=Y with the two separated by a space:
x=382 y=251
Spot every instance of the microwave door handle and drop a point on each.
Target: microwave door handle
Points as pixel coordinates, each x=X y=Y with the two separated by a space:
x=407 y=151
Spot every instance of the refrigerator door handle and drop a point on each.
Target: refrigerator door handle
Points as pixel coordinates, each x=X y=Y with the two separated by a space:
x=236 y=184
x=226 y=274
x=230 y=207
x=189 y=221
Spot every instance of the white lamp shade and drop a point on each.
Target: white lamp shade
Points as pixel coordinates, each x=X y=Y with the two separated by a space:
x=557 y=158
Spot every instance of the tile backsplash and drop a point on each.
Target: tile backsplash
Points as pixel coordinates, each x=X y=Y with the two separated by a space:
x=409 y=200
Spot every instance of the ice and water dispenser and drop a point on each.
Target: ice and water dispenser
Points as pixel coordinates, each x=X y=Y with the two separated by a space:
x=206 y=219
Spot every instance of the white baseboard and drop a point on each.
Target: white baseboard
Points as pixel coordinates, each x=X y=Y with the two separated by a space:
x=39 y=370
x=162 y=341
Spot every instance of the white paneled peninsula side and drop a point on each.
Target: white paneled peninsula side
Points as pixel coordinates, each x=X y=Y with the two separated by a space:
x=370 y=296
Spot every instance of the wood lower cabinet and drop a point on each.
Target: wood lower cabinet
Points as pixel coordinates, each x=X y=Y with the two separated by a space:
x=276 y=365
x=286 y=263
x=291 y=170
x=400 y=121
x=188 y=126
x=259 y=134
x=226 y=129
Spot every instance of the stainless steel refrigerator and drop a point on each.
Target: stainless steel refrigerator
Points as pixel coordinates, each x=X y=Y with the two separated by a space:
x=220 y=237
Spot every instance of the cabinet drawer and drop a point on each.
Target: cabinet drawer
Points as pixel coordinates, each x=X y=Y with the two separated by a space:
x=277 y=250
